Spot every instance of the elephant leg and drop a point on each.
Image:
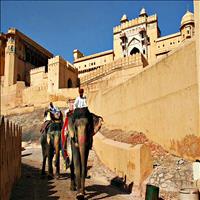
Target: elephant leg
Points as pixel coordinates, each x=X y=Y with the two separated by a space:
x=72 y=176
x=44 y=156
x=43 y=142
x=50 y=151
x=77 y=167
x=86 y=159
x=83 y=168
x=44 y=164
x=57 y=151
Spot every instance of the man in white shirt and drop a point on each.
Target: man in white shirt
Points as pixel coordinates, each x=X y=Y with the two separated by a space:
x=81 y=110
x=80 y=101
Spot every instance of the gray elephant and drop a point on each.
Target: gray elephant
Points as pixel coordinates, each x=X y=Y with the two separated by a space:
x=81 y=130
x=50 y=141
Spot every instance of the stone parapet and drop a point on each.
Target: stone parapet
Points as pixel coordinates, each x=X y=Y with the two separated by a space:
x=133 y=163
x=134 y=22
x=38 y=70
x=93 y=56
x=152 y=18
x=59 y=60
x=56 y=59
x=122 y=63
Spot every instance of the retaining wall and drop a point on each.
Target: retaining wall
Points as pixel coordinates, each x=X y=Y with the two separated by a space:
x=126 y=160
x=161 y=101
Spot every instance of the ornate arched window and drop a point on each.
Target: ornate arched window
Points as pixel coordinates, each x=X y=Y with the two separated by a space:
x=134 y=51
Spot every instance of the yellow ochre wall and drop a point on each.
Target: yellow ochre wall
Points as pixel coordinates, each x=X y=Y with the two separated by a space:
x=161 y=101
x=126 y=160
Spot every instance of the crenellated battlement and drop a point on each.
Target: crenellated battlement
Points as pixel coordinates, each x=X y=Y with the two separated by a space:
x=55 y=60
x=134 y=22
x=37 y=70
x=133 y=61
x=152 y=18
x=71 y=67
x=59 y=60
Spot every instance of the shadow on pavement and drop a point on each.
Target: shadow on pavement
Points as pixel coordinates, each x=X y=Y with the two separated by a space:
x=32 y=187
x=97 y=192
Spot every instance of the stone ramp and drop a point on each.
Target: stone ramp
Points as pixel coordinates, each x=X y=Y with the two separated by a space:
x=32 y=187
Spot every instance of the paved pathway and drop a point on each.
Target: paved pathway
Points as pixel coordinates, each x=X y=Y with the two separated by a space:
x=32 y=187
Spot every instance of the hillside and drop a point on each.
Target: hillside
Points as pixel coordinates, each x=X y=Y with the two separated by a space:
x=31 y=124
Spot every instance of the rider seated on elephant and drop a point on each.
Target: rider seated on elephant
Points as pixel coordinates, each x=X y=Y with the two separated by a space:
x=47 y=121
x=50 y=141
x=52 y=108
x=81 y=110
x=48 y=117
x=65 y=133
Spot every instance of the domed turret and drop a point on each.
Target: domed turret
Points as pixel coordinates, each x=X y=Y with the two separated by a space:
x=124 y=19
x=187 y=25
x=187 y=18
x=143 y=12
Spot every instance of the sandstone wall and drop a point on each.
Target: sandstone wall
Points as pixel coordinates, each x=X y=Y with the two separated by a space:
x=132 y=162
x=197 y=30
x=38 y=95
x=12 y=96
x=64 y=94
x=114 y=73
x=35 y=95
x=38 y=76
x=161 y=101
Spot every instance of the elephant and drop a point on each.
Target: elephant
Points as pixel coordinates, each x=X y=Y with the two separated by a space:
x=81 y=130
x=50 y=142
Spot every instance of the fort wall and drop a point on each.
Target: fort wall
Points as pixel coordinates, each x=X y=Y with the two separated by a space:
x=161 y=101
x=136 y=60
x=197 y=30
x=19 y=96
x=38 y=76
x=88 y=63
x=61 y=74
x=114 y=73
x=134 y=22
x=64 y=94
x=12 y=96
x=35 y=95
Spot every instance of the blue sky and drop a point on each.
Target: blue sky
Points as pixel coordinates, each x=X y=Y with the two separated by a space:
x=62 y=26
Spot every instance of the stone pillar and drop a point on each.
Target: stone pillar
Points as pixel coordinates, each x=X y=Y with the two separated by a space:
x=197 y=36
x=10 y=60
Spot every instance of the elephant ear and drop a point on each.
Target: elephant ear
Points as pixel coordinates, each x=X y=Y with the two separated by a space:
x=97 y=122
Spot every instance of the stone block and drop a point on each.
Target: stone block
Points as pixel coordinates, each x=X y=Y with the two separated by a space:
x=133 y=163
